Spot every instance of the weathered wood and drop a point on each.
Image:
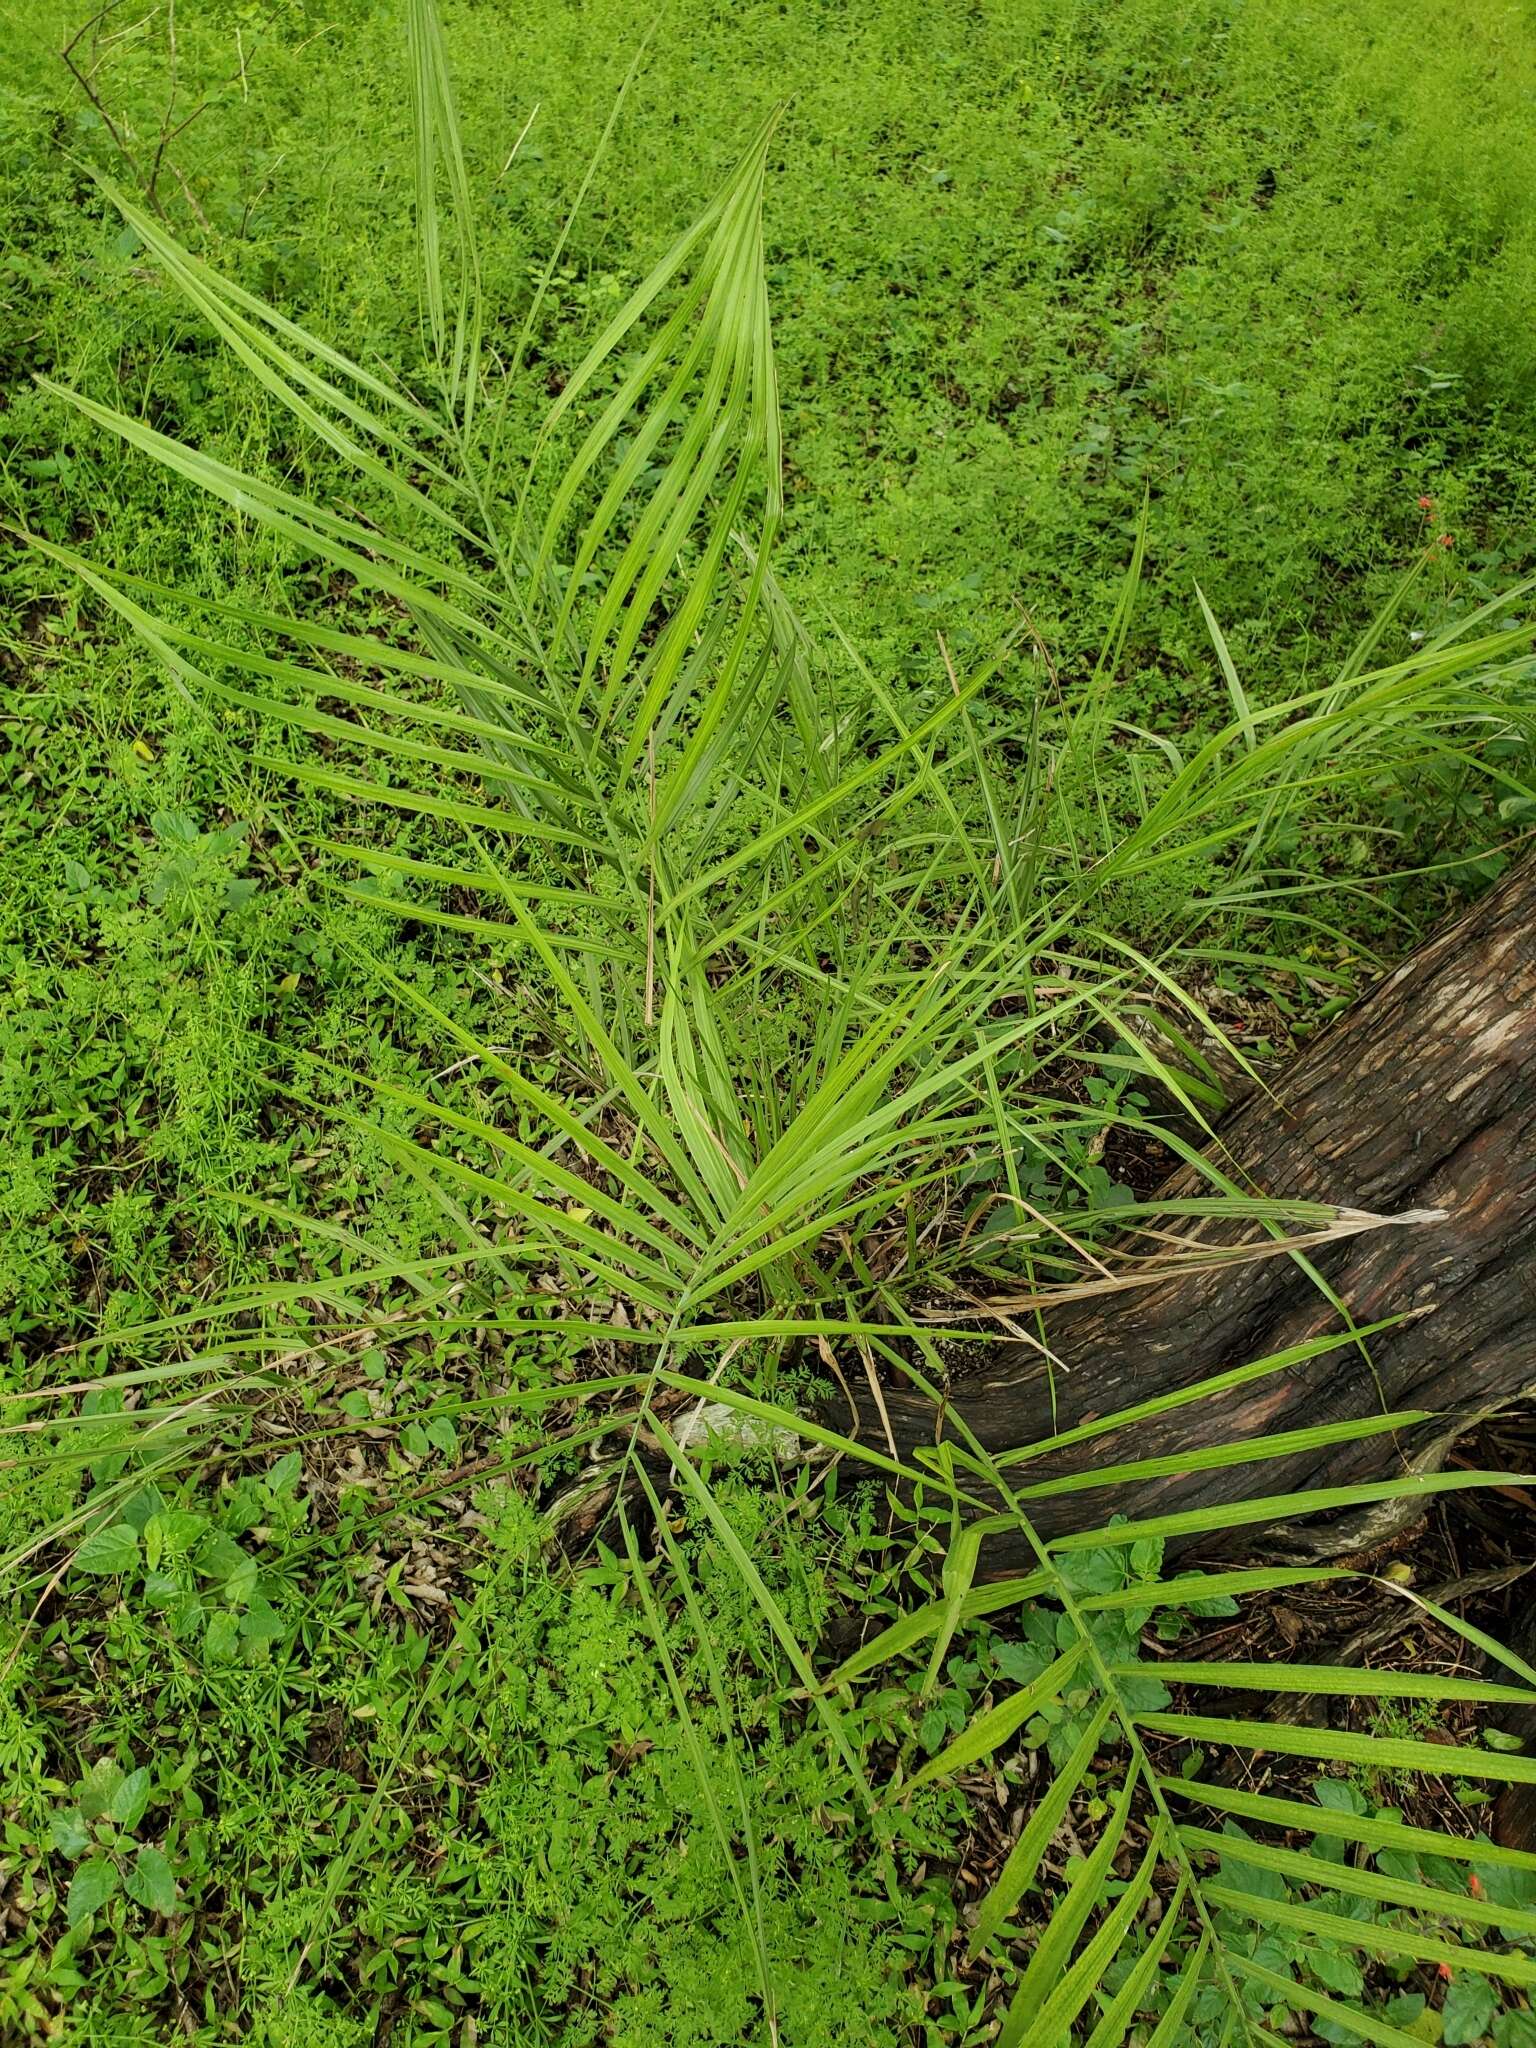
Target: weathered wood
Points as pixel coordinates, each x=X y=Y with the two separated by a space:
x=1421 y=1096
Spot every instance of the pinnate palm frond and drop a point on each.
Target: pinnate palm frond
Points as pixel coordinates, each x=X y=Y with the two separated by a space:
x=818 y=962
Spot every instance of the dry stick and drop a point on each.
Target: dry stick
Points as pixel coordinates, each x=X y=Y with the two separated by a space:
x=188 y=194
x=1153 y=1273
x=1050 y=1361
x=522 y=138
x=1050 y=1223
x=168 y=134
x=867 y=1359
x=1042 y=651
x=66 y=56
x=829 y=1359
x=251 y=201
x=170 y=105
x=101 y=44
x=1379 y=1633
x=21 y=1634
x=1312 y=1708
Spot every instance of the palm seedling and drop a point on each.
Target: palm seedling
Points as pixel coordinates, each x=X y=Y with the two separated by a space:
x=816 y=956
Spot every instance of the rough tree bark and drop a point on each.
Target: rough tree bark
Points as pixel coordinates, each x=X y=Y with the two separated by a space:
x=1421 y=1096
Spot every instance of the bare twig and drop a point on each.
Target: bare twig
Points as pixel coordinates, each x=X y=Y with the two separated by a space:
x=82 y=79
x=522 y=138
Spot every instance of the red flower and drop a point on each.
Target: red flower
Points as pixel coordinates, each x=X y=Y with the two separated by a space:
x=1426 y=504
x=1447 y=540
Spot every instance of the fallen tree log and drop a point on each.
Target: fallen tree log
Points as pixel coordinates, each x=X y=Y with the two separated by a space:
x=1422 y=1096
